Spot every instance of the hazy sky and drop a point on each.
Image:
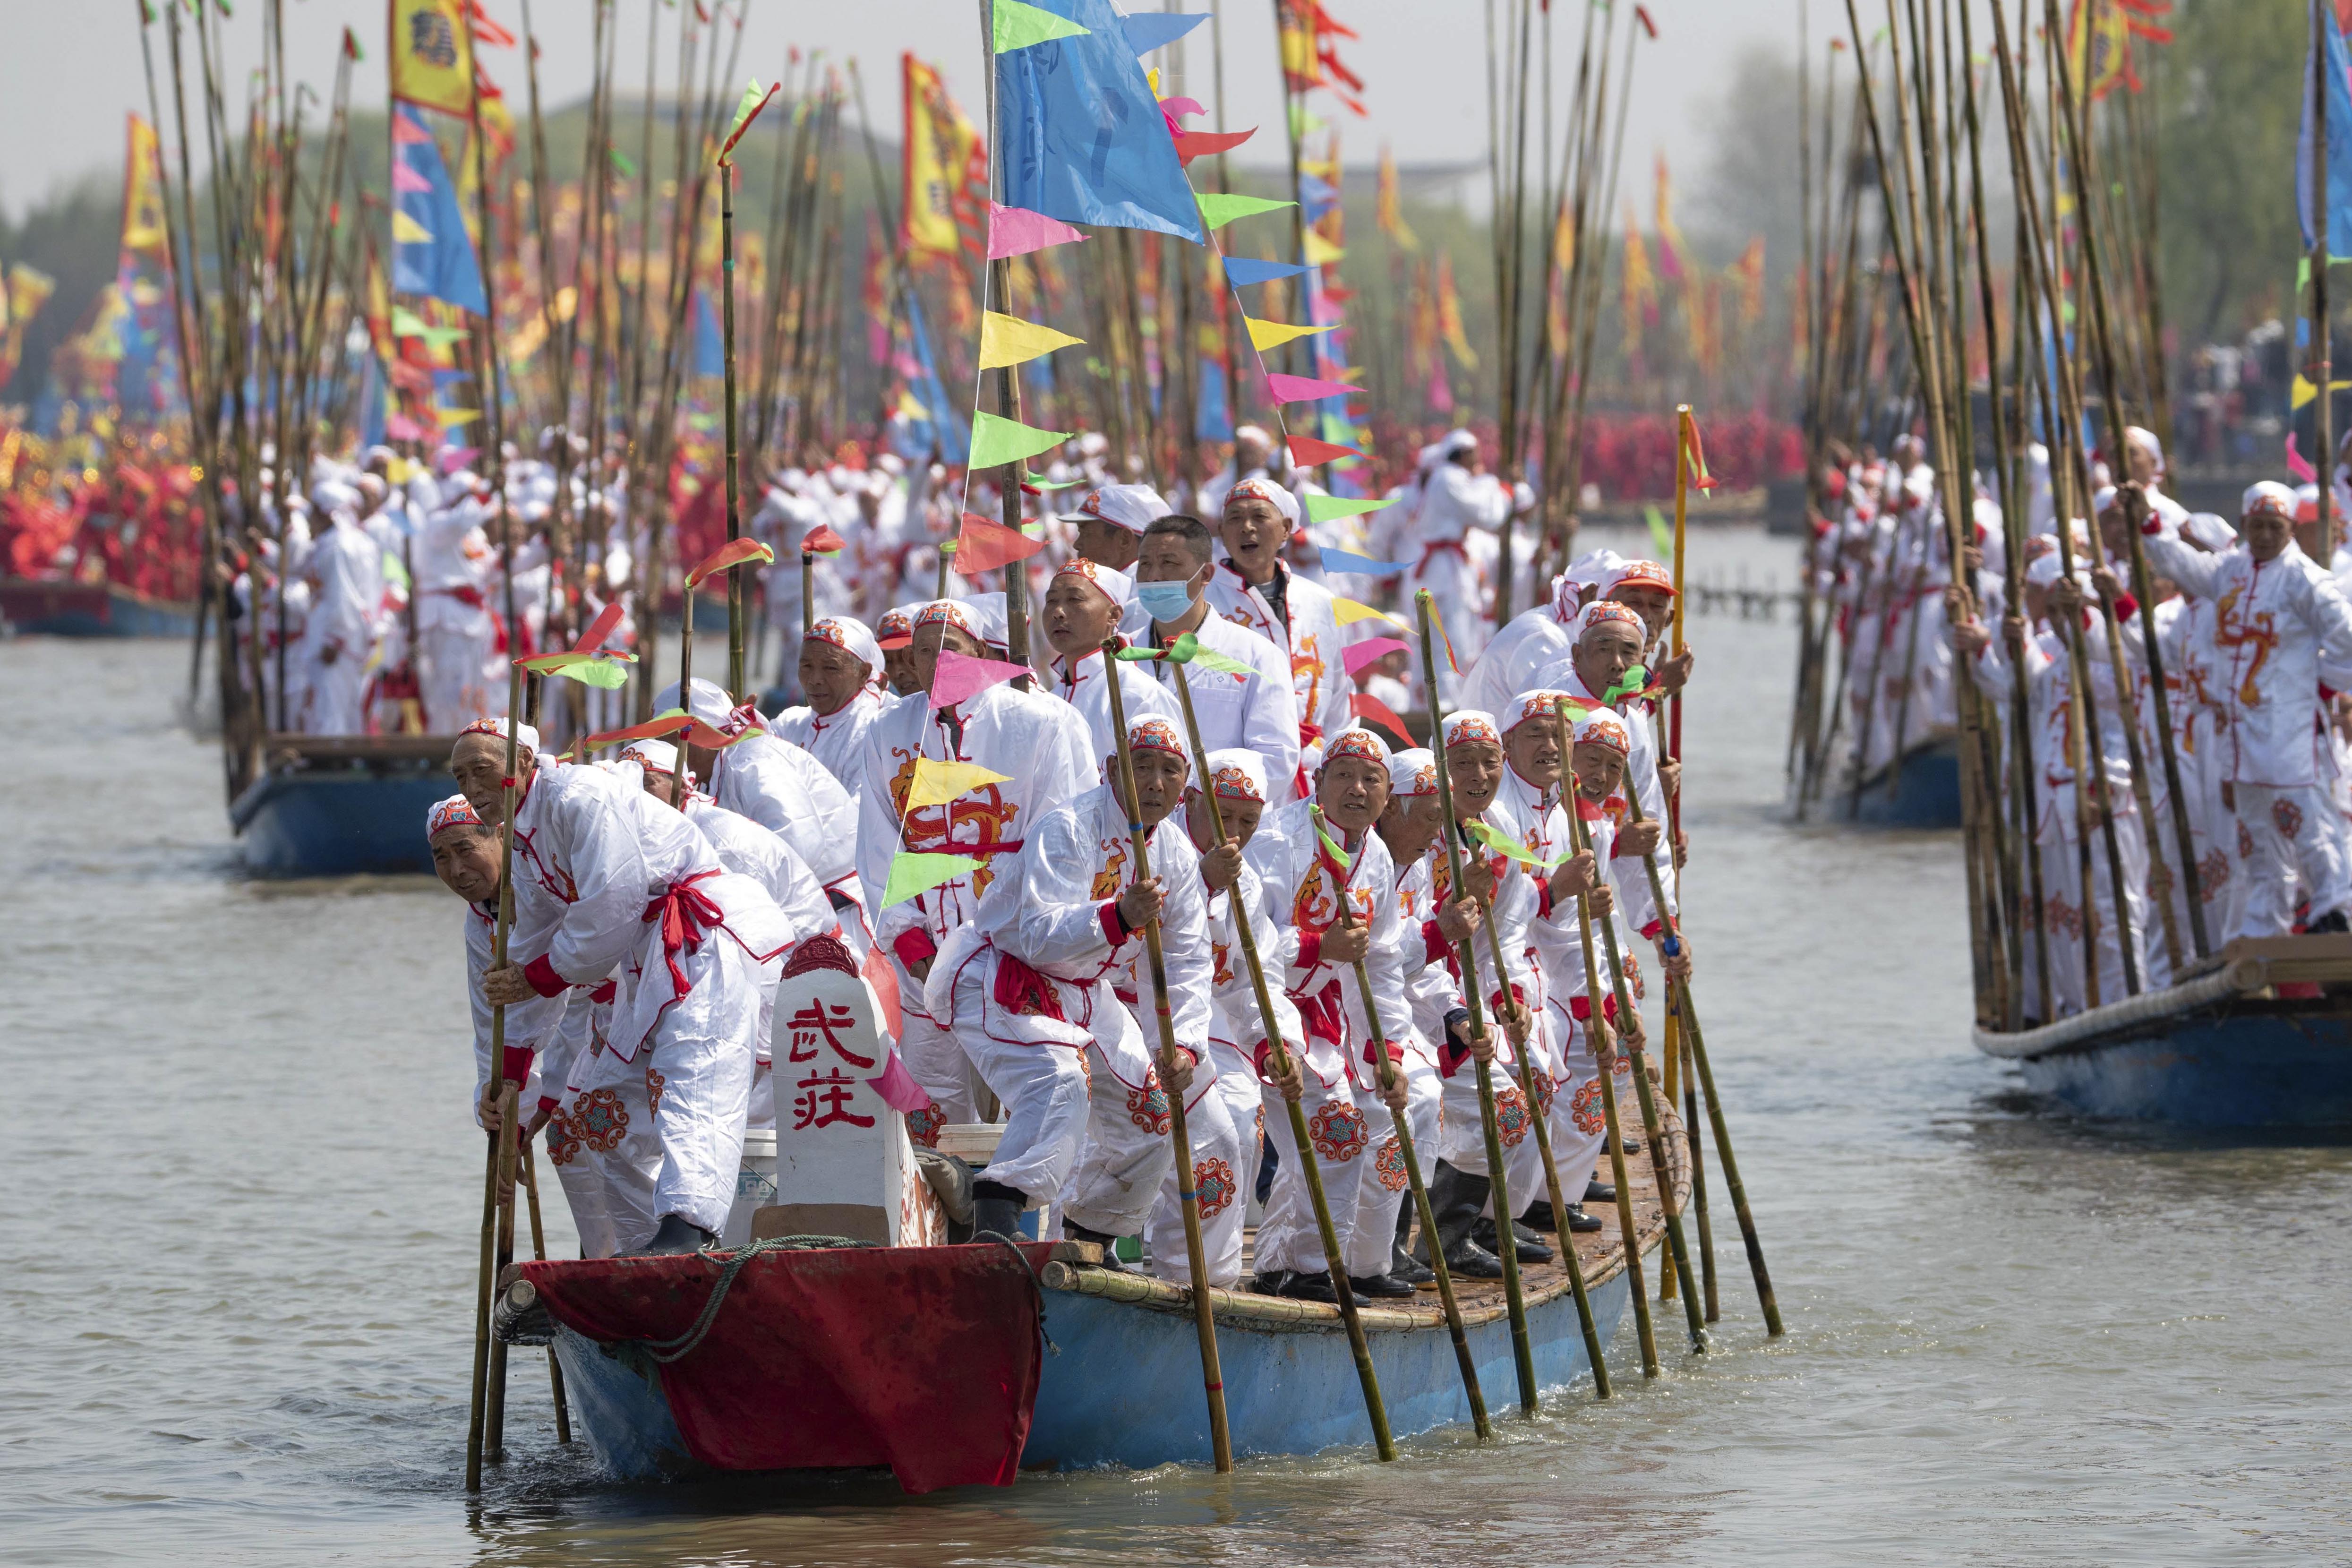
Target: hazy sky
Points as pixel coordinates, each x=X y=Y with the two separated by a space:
x=71 y=67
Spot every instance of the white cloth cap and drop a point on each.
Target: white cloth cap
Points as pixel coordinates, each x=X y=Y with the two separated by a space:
x=707 y=702
x=1412 y=772
x=526 y=737
x=1133 y=507
x=1267 y=490
x=852 y=638
x=654 y=756
x=1238 y=771
x=1116 y=584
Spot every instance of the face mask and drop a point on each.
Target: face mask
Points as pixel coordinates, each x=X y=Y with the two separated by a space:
x=1165 y=601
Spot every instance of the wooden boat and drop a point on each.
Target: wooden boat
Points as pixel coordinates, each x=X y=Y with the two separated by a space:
x=1926 y=792
x=335 y=806
x=2258 y=1035
x=823 y=1363
x=91 y=610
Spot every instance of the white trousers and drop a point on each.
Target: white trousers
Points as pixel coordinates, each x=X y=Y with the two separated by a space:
x=449 y=674
x=2292 y=845
x=2071 y=917
x=1386 y=1184
x=1340 y=1134
x=602 y=1141
x=1125 y=1156
x=1223 y=1163
x=333 y=695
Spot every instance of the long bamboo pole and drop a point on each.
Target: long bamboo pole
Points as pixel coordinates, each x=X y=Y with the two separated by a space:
x=487 y=1363
x=1187 y=1197
x=1472 y=997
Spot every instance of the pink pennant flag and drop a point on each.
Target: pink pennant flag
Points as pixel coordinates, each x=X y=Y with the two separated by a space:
x=960 y=678
x=1306 y=388
x=1358 y=654
x=401 y=427
x=1018 y=231
x=877 y=970
x=407 y=132
x=404 y=178
x=898 y=1088
x=2297 y=464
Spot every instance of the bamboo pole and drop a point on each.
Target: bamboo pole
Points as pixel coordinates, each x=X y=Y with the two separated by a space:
x=1507 y=1248
x=1604 y=1057
x=1679 y=998
x=539 y=1252
x=1221 y=1441
x=497 y=1216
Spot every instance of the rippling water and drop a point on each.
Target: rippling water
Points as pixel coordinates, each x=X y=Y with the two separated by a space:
x=237 y=1248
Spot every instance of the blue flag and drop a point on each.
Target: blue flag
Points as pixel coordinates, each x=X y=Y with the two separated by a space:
x=1080 y=137
x=1150 y=31
x=2338 y=73
x=709 y=348
x=431 y=253
x=954 y=435
x=1211 y=420
x=1242 y=269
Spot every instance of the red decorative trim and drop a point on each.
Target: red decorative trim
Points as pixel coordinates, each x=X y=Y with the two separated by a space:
x=543 y=978
x=515 y=1065
x=1434 y=948
x=1653 y=928
x=1310 y=949
x=1114 y=924
x=914 y=947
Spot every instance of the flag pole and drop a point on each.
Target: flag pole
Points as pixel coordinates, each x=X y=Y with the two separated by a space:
x=996 y=281
x=1187 y=1197
x=746 y=113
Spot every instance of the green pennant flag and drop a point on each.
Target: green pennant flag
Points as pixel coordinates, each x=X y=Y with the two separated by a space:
x=622 y=163
x=1662 y=532
x=407 y=324
x=911 y=874
x=1504 y=844
x=1323 y=508
x=996 y=441
x=1631 y=681
x=1019 y=26
x=1219 y=208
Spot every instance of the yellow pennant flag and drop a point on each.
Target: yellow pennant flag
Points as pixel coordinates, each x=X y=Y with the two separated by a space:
x=1321 y=252
x=432 y=55
x=406 y=230
x=1347 y=612
x=1265 y=335
x=452 y=417
x=936 y=783
x=1009 y=341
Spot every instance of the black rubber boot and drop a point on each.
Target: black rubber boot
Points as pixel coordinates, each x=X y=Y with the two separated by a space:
x=996 y=1209
x=1597 y=1191
x=1303 y=1286
x=1402 y=1264
x=1455 y=1197
x=1537 y=1216
x=1580 y=1223
x=1109 y=1244
x=1530 y=1243
x=1380 y=1287
x=677 y=1236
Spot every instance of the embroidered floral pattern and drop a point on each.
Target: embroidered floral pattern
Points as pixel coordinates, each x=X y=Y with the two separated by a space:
x=923 y=1126
x=654 y=1084
x=1212 y=1180
x=2287 y=818
x=1389 y=1165
x=1337 y=1129
x=2212 y=876
x=2245 y=843
x=597 y=1121
x=1148 y=1107
x=1586 y=1110
x=1511 y=1117
x=1547 y=1090
x=2065 y=920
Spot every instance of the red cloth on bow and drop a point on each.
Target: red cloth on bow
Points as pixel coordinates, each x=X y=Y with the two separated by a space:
x=1021 y=989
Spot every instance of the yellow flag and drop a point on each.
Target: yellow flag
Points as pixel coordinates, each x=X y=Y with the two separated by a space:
x=1265 y=335
x=406 y=230
x=936 y=783
x=1008 y=340
x=432 y=55
x=143 y=197
x=946 y=173
x=1321 y=252
x=451 y=417
x=1347 y=612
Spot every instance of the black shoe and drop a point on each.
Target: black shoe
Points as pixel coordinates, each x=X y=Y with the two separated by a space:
x=1380 y=1287
x=1468 y=1260
x=1599 y=1192
x=1537 y=1216
x=677 y=1238
x=2333 y=921
x=1531 y=1250
x=1109 y=1244
x=996 y=1210
x=1580 y=1223
x=1403 y=1265
x=1299 y=1285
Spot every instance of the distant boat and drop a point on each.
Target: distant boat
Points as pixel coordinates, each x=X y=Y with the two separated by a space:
x=35 y=606
x=337 y=806
x=857 y=1359
x=2249 y=1037
x=1926 y=792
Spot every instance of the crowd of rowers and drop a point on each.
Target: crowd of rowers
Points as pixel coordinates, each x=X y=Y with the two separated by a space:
x=657 y=893
x=2252 y=638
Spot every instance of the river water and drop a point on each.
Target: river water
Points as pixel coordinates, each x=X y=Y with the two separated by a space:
x=239 y=1244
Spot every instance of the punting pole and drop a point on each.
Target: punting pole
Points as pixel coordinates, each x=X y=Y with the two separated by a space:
x=1537 y=1116
x=498 y=1216
x=1303 y=1147
x=1652 y=1128
x=1221 y=1440
x=1506 y=1245
x=1679 y=994
x=1628 y=1232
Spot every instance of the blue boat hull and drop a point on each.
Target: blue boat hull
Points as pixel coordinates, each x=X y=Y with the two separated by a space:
x=1286 y=1391
x=1927 y=790
x=2275 y=1066
x=92 y=610
x=336 y=824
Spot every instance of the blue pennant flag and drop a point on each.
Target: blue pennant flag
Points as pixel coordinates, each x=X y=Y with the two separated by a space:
x=1150 y=31
x=431 y=253
x=1211 y=420
x=2339 y=74
x=1080 y=137
x=709 y=347
x=1241 y=269
x=954 y=436
x=1362 y=565
x=1317 y=195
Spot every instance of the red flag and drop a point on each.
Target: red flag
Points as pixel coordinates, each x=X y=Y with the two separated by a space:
x=598 y=630
x=1374 y=711
x=985 y=546
x=1700 y=478
x=486 y=30
x=821 y=540
x=727 y=555
x=1649 y=23
x=1307 y=451
x=1192 y=144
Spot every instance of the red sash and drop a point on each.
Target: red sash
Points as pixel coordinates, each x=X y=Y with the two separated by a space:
x=687 y=915
x=1021 y=989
